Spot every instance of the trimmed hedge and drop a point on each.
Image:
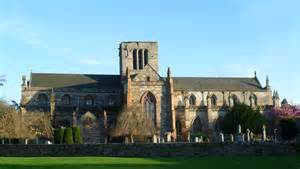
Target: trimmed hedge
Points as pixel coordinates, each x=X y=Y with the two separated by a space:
x=77 y=135
x=68 y=136
x=59 y=135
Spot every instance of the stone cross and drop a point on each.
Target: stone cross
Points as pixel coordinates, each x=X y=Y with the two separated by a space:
x=222 y=137
x=239 y=129
x=248 y=136
x=264 y=134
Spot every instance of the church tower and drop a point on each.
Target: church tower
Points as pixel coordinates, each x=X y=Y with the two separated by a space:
x=136 y=55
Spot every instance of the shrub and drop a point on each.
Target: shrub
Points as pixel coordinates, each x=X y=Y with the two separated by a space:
x=77 y=135
x=244 y=115
x=68 y=136
x=288 y=129
x=59 y=135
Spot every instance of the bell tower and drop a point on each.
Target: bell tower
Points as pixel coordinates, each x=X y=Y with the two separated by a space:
x=136 y=55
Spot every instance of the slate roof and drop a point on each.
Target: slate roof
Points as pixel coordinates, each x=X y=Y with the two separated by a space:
x=113 y=82
x=217 y=84
x=52 y=80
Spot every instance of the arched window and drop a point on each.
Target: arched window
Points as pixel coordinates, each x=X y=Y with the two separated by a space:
x=192 y=100
x=196 y=127
x=134 y=56
x=234 y=100
x=141 y=66
x=43 y=99
x=146 y=57
x=149 y=104
x=66 y=99
x=89 y=100
x=214 y=100
x=253 y=100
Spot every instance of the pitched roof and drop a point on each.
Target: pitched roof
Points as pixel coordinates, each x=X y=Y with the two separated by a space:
x=50 y=80
x=217 y=84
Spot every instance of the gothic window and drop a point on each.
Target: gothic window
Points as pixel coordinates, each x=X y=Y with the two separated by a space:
x=196 y=127
x=66 y=99
x=192 y=100
x=134 y=55
x=214 y=100
x=253 y=100
x=89 y=100
x=43 y=99
x=146 y=57
x=141 y=66
x=149 y=104
x=235 y=99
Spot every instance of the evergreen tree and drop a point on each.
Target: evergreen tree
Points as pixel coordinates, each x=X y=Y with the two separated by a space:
x=244 y=115
x=68 y=136
x=77 y=135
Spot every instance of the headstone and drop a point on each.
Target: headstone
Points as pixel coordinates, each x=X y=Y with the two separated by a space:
x=189 y=137
x=222 y=137
x=201 y=139
x=26 y=141
x=168 y=137
x=240 y=138
x=126 y=140
x=239 y=129
x=231 y=138
x=154 y=140
x=251 y=136
x=275 y=135
x=248 y=136
x=196 y=139
x=264 y=133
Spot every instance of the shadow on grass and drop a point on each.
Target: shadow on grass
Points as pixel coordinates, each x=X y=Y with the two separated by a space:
x=226 y=162
x=89 y=166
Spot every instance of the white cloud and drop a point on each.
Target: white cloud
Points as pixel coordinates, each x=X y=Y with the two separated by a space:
x=96 y=62
x=30 y=34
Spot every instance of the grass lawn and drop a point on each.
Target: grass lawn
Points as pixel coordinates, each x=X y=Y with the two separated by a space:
x=292 y=162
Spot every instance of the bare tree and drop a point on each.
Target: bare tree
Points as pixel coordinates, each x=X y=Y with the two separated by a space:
x=12 y=124
x=132 y=122
x=15 y=125
x=39 y=124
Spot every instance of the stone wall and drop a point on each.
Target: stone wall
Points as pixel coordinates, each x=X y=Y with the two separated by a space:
x=147 y=150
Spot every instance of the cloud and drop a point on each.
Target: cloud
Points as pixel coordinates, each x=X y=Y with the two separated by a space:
x=96 y=62
x=30 y=34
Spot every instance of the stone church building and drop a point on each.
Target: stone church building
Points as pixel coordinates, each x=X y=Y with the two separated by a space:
x=178 y=105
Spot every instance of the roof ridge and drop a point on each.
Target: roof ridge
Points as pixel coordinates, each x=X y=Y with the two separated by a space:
x=73 y=74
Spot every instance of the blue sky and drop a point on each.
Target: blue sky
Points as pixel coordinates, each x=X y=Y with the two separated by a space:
x=196 y=38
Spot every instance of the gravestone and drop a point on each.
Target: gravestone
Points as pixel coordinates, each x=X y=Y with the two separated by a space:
x=248 y=136
x=264 y=133
x=168 y=137
x=240 y=138
x=221 y=137
x=275 y=135
x=231 y=138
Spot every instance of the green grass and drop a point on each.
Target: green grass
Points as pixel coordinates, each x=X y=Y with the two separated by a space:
x=284 y=162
